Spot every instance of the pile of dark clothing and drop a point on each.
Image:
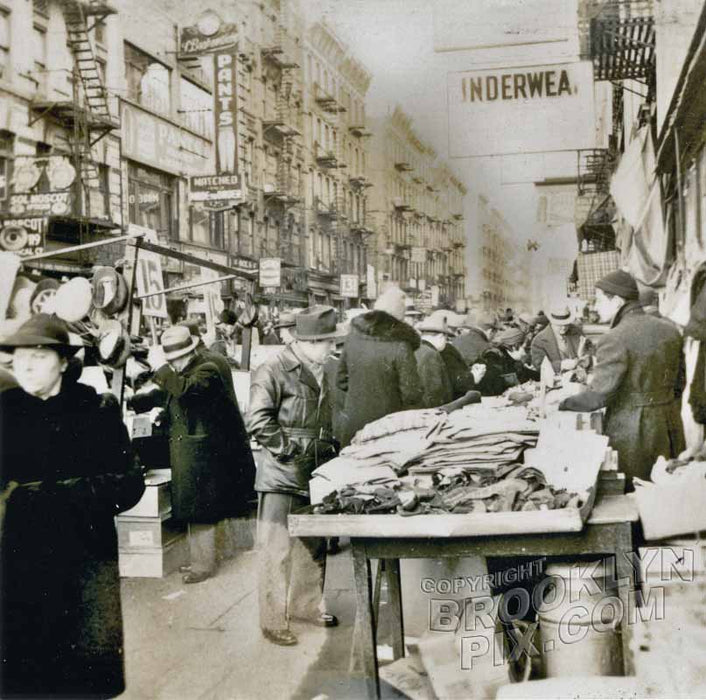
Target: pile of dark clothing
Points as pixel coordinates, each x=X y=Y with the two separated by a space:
x=468 y=491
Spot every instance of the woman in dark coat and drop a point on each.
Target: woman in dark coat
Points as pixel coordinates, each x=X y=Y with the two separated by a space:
x=378 y=370
x=66 y=471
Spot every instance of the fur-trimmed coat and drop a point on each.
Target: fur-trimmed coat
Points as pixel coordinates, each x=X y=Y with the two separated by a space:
x=378 y=371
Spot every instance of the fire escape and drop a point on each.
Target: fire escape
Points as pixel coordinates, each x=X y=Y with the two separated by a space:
x=619 y=38
x=333 y=213
x=284 y=131
x=87 y=116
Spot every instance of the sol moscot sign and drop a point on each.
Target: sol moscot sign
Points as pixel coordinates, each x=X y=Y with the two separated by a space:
x=521 y=110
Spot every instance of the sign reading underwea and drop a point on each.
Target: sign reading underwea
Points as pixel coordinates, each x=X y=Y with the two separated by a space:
x=531 y=109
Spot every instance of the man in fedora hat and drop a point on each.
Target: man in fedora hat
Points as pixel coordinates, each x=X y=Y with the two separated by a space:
x=212 y=465
x=290 y=417
x=475 y=336
x=639 y=379
x=561 y=341
x=285 y=326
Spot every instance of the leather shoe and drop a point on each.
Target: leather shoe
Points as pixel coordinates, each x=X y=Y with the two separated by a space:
x=195 y=576
x=325 y=620
x=284 y=638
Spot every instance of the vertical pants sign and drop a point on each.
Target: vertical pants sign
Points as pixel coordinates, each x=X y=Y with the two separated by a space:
x=225 y=112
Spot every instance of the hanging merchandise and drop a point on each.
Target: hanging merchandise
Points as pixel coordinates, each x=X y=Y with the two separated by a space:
x=110 y=291
x=43 y=299
x=73 y=300
x=113 y=344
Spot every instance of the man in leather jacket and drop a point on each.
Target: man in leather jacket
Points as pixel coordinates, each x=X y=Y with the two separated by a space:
x=290 y=417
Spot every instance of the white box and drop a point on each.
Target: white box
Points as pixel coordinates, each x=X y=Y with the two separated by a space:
x=157 y=498
x=154 y=562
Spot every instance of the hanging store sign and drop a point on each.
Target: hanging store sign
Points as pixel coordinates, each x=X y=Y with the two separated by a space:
x=371 y=287
x=225 y=112
x=150 y=280
x=215 y=188
x=23 y=236
x=270 y=272
x=41 y=204
x=419 y=255
x=210 y=33
x=521 y=110
x=349 y=286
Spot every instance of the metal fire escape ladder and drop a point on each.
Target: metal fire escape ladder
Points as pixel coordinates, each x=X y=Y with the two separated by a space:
x=92 y=119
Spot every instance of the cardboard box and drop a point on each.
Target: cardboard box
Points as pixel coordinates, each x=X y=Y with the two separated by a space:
x=156 y=502
x=154 y=562
x=675 y=506
x=140 y=533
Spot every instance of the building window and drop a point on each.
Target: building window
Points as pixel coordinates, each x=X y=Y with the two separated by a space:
x=196 y=111
x=39 y=55
x=4 y=40
x=148 y=81
x=99 y=32
x=152 y=200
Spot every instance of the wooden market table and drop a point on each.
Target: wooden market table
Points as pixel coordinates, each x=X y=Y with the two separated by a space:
x=390 y=538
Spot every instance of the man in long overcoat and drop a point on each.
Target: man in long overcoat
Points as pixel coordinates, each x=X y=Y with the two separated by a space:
x=639 y=378
x=289 y=416
x=474 y=340
x=437 y=387
x=378 y=370
x=212 y=466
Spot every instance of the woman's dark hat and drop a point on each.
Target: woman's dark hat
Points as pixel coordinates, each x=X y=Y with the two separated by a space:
x=316 y=323
x=42 y=330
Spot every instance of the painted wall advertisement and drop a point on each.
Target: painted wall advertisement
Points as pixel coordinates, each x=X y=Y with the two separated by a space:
x=42 y=186
x=529 y=109
x=225 y=112
x=153 y=141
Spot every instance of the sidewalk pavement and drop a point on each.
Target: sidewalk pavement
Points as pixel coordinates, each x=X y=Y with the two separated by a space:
x=202 y=642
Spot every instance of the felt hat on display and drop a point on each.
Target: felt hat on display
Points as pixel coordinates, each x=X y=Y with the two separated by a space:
x=109 y=290
x=287 y=320
x=113 y=344
x=435 y=324
x=43 y=296
x=316 y=323
x=621 y=284
x=509 y=337
x=41 y=330
x=177 y=341
x=561 y=315
x=73 y=299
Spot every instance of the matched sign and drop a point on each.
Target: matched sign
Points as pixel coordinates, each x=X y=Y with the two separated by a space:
x=149 y=280
x=349 y=286
x=23 y=236
x=225 y=112
x=270 y=272
x=215 y=188
x=521 y=110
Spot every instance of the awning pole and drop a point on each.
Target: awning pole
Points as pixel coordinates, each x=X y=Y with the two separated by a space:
x=189 y=286
x=83 y=246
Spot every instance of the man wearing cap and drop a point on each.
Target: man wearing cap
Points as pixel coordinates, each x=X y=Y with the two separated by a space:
x=290 y=418
x=561 y=341
x=474 y=340
x=437 y=389
x=639 y=378
x=378 y=370
x=504 y=363
x=212 y=465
